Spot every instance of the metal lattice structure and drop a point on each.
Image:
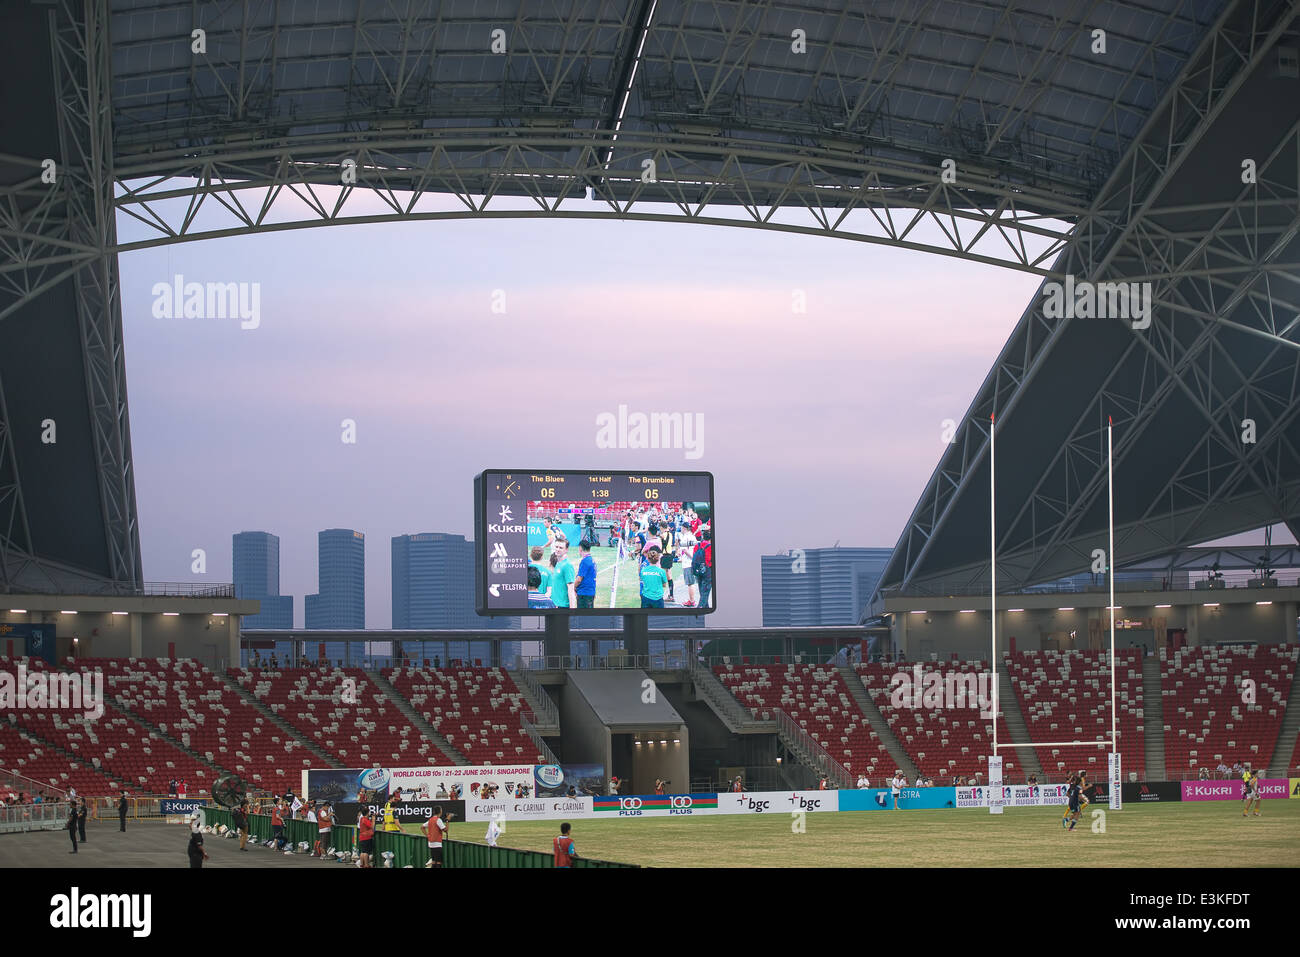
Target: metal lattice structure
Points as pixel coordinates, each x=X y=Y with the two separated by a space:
x=178 y=121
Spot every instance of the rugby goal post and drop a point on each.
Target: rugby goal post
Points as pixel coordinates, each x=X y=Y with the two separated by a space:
x=996 y=793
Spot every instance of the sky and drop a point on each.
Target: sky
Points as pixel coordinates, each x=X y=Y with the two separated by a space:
x=820 y=426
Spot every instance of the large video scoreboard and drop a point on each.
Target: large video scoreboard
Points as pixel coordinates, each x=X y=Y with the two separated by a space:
x=594 y=543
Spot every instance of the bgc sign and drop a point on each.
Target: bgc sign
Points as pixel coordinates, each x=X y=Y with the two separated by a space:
x=777 y=802
x=656 y=805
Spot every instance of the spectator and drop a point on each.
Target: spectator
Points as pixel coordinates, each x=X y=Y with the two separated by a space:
x=584 y=588
x=863 y=782
x=195 y=851
x=702 y=565
x=565 y=851
x=1204 y=774
x=562 y=576
x=537 y=587
x=653 y=579
x=240 y=817
x=72 y=825
x=121 y=811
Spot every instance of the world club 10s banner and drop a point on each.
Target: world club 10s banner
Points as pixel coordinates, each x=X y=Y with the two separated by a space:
x=451 y=783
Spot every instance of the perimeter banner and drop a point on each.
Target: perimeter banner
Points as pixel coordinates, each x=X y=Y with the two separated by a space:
x=777 y=802
x=655 y=805
x=1232 y=790
x=404 y=812
x=450 y=783
x=537 y=809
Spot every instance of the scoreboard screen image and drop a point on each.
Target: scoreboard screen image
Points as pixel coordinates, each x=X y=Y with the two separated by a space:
x=594 y=543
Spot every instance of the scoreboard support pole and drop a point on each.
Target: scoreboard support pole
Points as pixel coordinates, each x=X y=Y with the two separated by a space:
x=636 y=635
x=557 y=636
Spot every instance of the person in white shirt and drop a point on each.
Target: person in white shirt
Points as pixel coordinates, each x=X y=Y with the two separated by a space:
x=863 y=783
x=897 y=785
x=920 y=781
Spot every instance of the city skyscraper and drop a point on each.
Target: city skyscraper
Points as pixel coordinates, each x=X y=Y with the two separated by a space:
x=820 y=586
x=340 y=601
x=255 y=559
x=434 y=577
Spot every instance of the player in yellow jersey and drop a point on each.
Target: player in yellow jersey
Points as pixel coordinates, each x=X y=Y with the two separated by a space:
x=1250 y=793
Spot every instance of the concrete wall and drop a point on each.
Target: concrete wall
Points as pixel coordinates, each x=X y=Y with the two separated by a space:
x=96 y=633
x=586 y=740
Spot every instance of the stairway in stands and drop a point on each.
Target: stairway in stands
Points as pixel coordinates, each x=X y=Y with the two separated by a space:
x=1009 y=705
x=1153 y=719
x=451 y=754
x=858 y=692
x=1286 y=753
x=326 y=761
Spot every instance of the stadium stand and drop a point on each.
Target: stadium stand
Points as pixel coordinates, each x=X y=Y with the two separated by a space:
x=1065 y=696
x=941 y=742
x=816 y=697
x=31 y=759
x=476 y=709
x=196 y=707
x=1206 y=720
x=368 y=733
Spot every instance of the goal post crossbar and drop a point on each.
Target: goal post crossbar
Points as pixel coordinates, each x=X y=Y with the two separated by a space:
x=1053 y=744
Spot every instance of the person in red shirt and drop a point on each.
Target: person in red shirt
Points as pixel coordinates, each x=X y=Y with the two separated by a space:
x=324 y=827
x=435 y=829
x=277 y=824
x=365 y=837
x=565 y=849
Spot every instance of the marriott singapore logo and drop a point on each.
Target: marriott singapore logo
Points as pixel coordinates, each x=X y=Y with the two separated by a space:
x=53 y=690
x=931 y=689
x=656 y=430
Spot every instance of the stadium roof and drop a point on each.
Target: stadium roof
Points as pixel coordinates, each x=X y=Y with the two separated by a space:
x=832 y=119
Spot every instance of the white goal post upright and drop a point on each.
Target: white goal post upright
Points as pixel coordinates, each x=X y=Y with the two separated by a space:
x=995 y=761
x=1114 y=776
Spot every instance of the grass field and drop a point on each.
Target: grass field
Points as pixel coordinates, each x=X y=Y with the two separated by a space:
x=1199 y=834
x=628 y=593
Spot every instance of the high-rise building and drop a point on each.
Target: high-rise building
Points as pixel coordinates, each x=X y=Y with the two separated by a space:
x=255 y=558
x=340 y=601
x=820 y=586
x=434 y=579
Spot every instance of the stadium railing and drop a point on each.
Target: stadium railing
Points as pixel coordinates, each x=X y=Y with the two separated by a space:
x=825 y=762
x=46 y=816
x=550 y=711
x=20 y=784
x=407 y=849
x=1229 y=579
x=617 y=662
x=526 y=719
